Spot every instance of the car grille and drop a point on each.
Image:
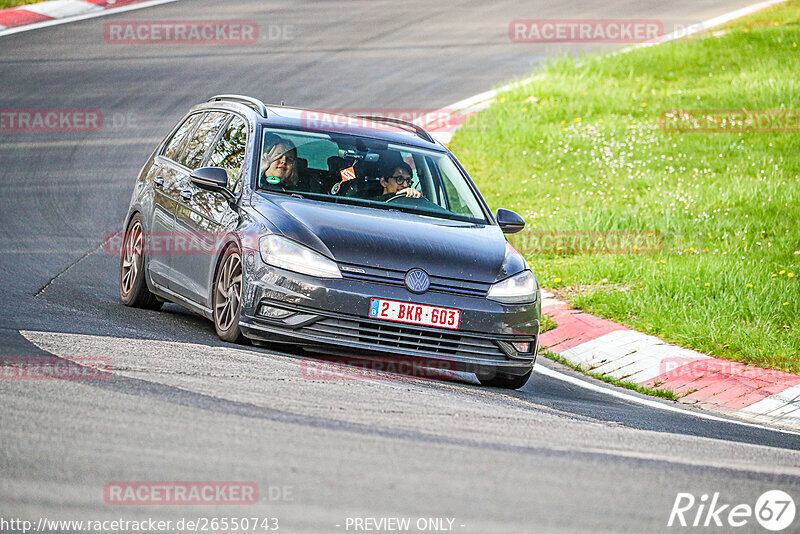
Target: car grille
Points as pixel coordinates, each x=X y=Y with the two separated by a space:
x=397 y=278
x=390 y=336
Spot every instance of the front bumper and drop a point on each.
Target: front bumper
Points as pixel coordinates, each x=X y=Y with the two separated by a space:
x=334 y=313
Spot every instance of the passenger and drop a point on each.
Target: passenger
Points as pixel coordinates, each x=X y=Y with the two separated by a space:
x=280 y=163
x=396 y=180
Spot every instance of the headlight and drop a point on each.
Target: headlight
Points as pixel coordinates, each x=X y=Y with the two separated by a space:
x=518 y=289
x=281 y=252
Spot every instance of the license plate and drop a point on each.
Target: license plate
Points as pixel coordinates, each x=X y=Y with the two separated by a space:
x=406 y=312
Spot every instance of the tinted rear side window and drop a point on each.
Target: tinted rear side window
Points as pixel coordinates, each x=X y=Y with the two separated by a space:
x=202 y=138
x=175 y=146
x=229 y=150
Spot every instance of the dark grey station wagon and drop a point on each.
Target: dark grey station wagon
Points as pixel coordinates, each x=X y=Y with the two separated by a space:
x=349 y=236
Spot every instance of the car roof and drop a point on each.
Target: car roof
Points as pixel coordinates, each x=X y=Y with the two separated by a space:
x=327 y=121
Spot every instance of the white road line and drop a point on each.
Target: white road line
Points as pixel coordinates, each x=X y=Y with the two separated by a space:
x=103 y=13
x=718 y=21
x=614 y=392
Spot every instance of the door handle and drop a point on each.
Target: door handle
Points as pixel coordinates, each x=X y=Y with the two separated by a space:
x=186 y=195
x=159 y=181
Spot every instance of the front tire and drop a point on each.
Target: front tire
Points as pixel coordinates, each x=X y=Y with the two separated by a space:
x=502 y=380
x=133 y=290
x=227 y=301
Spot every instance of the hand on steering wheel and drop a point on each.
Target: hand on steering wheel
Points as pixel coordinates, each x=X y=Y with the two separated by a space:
x=408 y=192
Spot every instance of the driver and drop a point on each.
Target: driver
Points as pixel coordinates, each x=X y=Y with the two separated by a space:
x=280 y=164
x=396 y=180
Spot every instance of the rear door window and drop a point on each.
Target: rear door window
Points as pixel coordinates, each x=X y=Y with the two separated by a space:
x=175 y=146
x=229 y=150
x=316 y=153
x=202 y=138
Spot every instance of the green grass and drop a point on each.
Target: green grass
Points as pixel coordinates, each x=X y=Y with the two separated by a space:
x=547 y=324
x=13 y=3
x=654 y=392
x=580 y=148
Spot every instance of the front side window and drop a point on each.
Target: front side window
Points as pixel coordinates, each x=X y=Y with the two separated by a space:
x=354 y=170
x=229 y=150
x=202 y=138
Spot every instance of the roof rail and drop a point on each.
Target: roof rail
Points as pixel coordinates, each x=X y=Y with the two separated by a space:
x=419 y=130
x=253 y=103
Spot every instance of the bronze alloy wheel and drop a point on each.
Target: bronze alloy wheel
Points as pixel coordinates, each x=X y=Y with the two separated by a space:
x=228 y=295
x=133 y=290
x=131 y=258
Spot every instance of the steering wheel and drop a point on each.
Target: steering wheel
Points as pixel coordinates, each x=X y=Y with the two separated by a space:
x=402 y=195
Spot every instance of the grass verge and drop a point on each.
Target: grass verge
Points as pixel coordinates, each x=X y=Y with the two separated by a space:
x=547 y=324
x=655 y=392
x=14 y=3
x=580 y=149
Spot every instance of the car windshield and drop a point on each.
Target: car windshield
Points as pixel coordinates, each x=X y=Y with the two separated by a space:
x=348 y=169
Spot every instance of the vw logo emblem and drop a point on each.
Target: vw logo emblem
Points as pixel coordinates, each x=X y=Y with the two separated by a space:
x=417 y=281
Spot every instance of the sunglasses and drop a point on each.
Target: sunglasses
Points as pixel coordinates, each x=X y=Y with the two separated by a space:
x=401 y=179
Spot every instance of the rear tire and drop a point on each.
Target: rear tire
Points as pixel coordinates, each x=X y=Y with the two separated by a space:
x=133 y=290
x=502 y=380
x=227 y=301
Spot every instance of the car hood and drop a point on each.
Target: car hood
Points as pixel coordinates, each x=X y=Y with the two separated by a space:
x=389 y=239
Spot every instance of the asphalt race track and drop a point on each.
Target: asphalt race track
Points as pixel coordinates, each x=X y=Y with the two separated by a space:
x=182 y=406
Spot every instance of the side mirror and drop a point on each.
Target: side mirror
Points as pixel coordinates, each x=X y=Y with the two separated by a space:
x=510 y=222
x=212 y=179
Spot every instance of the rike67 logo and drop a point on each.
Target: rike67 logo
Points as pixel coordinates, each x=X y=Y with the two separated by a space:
x=774 y=510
